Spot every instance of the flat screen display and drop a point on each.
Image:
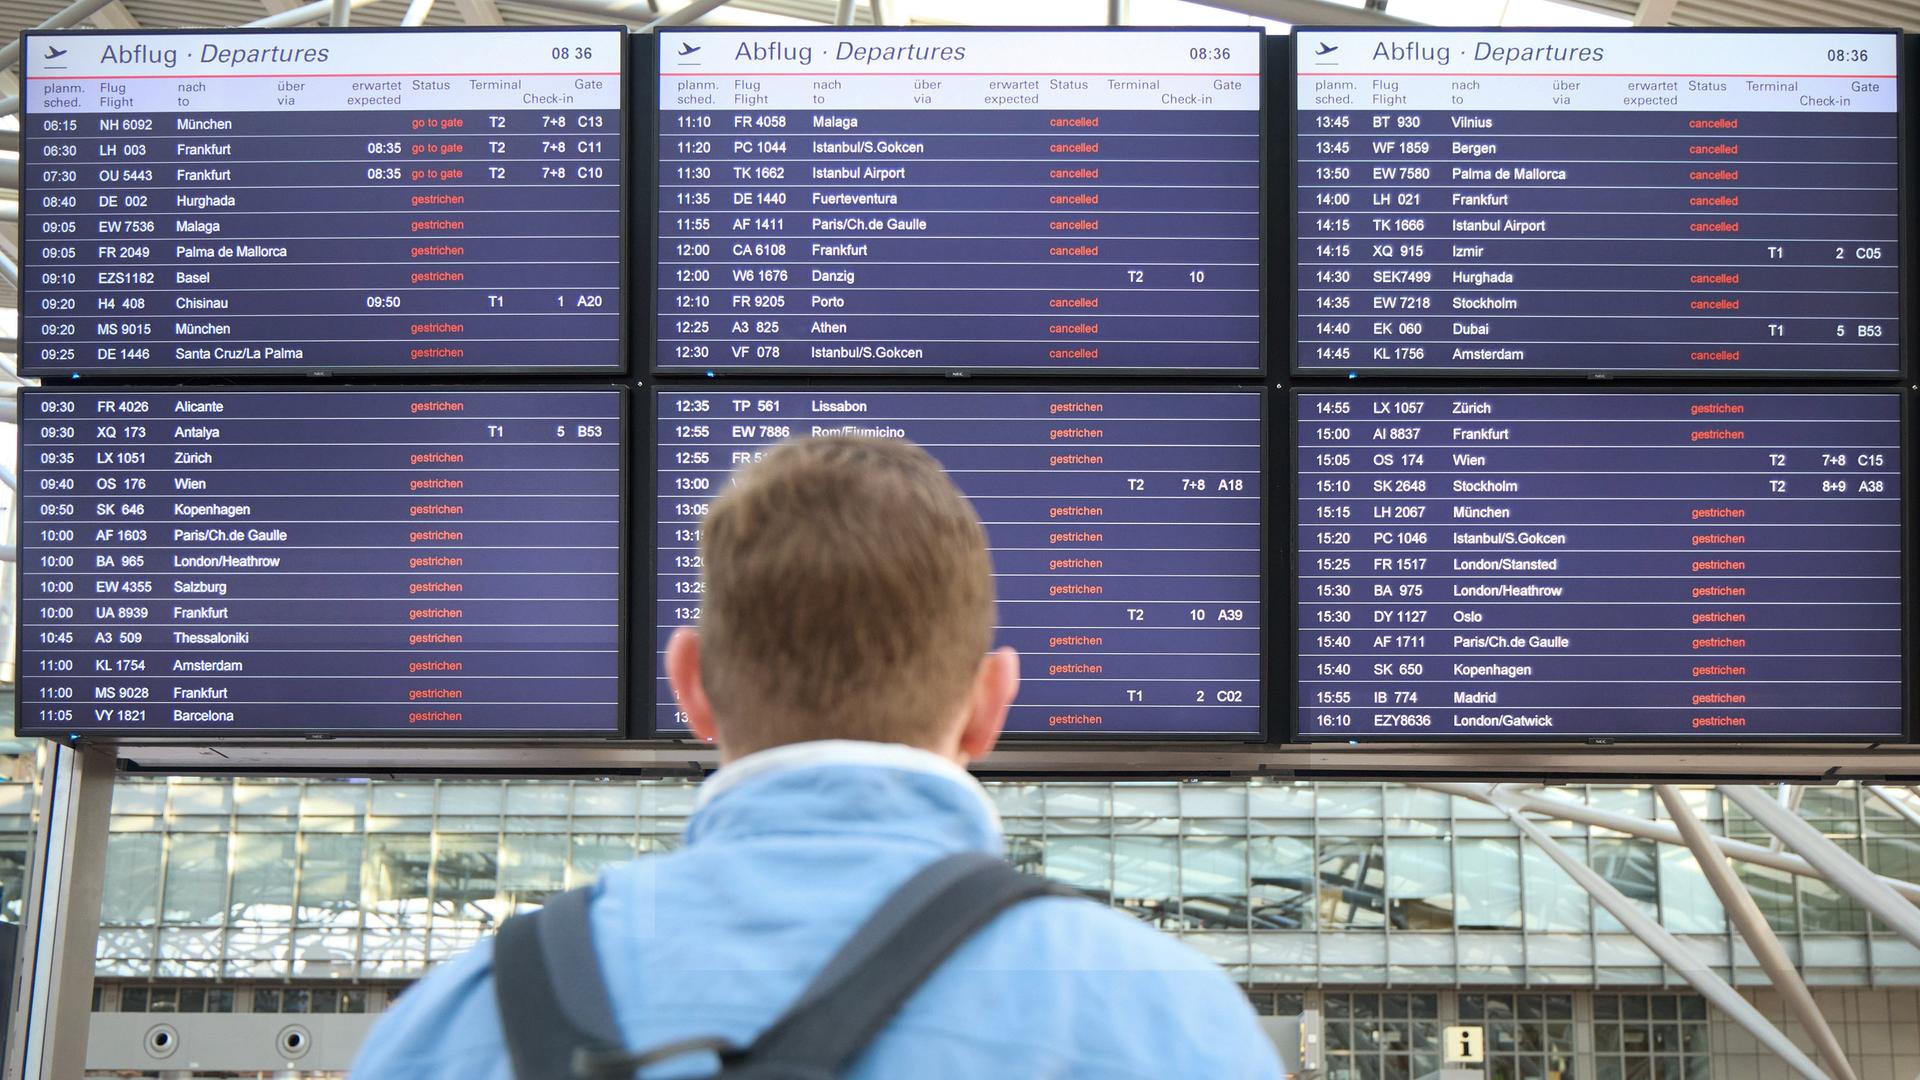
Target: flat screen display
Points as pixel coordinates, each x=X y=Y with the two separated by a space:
x=285 y=202
x=1501 y=565
x=420 y=562
x=1125 y=529
x=1578 y=202
x=938 y=200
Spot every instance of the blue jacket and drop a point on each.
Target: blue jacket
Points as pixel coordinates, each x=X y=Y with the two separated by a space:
x=788 y=852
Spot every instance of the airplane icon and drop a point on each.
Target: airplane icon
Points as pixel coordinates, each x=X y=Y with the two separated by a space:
x=1325 y=48
x=55 y=54
x=688 y=50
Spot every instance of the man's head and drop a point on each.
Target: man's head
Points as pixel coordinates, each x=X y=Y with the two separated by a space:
x=848 y=595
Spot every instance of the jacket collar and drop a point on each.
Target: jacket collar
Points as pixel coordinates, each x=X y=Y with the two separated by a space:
x=845 y=785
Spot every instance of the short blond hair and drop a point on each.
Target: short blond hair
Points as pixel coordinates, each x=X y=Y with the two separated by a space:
x=848 y=595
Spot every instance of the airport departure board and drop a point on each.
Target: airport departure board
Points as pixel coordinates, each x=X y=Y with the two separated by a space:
x=208 y=561
x=1623 y=565
x=1573 y=202
x=944 y=200
x=289 y=202
x=1125 y=528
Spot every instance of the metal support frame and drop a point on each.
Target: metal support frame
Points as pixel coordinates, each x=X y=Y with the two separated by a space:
x=417 y=12
x=303 y=14
x=1649 y=830
x=67 y=16
x=1840 y=869
x=882 y=16
x=1759 y=936
x=1118 y=12
x=342 y=13
x=843 y=13
x=1668 y=948
x=1897 y=805
x=53 y=1002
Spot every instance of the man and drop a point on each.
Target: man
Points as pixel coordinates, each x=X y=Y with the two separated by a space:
x=843 y=664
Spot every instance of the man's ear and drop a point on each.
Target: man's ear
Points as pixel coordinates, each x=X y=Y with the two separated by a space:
x=683 y=674
x=994 y=688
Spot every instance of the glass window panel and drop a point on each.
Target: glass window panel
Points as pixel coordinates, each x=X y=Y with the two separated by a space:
x=1420 y=884
x=333 y=798
x=266 y=797
x=325 y=1000
x=1336 y=1005
x=1473 y=1006
x=220 y=1000
x=1425 y=1064
x=608 y=800
x=201 y=797
x=353 y=1001
x=1084 y=862
x=1339 y=1035
x=1488 y=893
x=1636 y=801
x=196 y=879
x=1631 y=865
x=131 y=894
x=1633 y=1006
x=1606 y=1037
x=1281 y=800
x=470 y=798
x=1283 y=891
x=296 y=999
x=1502 y=1036
x=532 y=866
x=1693 y=1008
x=1213 y=881
x=466 y=872
x=1827 y=910
x=265 y=1000
x=402 y=800
x=1203 y=800
x=1349 y=801
x=1606 y=1007
x=1366 y=1006
x=1425 y=1005
x=1635 y=1038
x=1666 y=1039
x=592 y=853
x=1426 y=1036
x=1397 y=1067
x=1638 y=1068
x=263 y=866
x=397 y=878
x=1773 y=891
x=1554 y=900
x=1146 y=878
x=140 y=797
x=1352 y=876
x=330 y=876
x=1559 y=1007
x=1664 y=1007
x=1416 y=804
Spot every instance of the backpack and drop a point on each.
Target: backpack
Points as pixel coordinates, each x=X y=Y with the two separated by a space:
x=559 y=1023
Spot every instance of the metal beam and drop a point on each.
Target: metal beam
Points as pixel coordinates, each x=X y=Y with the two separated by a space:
x=9 y=269
x=1117 y=12
x=683 y=15
x=1654 y=12
x=417 y=12
x=71 y=15
x=843 y=13
x=10 y=410
x=1309 y=12
x=1897 y=805
x=47 y=1037
x=632 y=11
x=1650 y=830
x=1840 y=869
x=479 y=12
x=1668 y=948
x=115 y=16
x=9 y=105
x=305 y=13
x=879 y=9
x=342 y=14
x=1754 y=929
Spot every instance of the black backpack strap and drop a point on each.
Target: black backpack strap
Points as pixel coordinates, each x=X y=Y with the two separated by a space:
x=886 y=960
x=548 y=985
